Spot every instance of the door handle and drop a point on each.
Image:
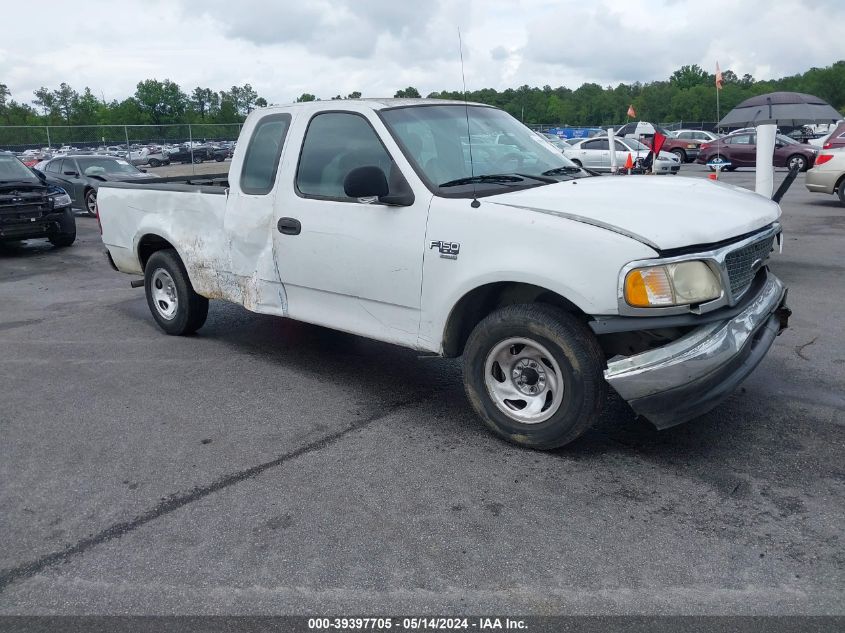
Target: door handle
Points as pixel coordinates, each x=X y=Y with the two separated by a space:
x=289 y=226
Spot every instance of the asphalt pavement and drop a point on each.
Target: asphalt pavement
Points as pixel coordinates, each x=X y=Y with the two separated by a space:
x=265 y=466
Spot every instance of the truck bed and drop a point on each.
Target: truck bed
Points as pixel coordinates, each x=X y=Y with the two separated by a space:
x=205 y=183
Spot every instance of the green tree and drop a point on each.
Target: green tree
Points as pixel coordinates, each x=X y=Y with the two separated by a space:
x=408 y=93
x=161 y=101
x=305 y=97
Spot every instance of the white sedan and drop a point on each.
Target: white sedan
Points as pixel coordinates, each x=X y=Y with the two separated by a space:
x=594 y=153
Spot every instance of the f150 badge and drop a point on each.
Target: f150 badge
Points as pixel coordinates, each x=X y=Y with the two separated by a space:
x=448 y=250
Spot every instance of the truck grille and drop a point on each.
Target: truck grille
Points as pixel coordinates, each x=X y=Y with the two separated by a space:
x=22 y=212
x=740 y=264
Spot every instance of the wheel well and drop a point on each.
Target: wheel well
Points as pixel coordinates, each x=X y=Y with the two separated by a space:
x=838 y=182
x=478 y=303
x=148 y=245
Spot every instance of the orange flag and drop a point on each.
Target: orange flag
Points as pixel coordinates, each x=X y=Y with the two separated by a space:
x=631 y=112
x=718 y=77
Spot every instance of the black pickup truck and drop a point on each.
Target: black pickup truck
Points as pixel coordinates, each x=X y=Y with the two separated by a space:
x=32 y=207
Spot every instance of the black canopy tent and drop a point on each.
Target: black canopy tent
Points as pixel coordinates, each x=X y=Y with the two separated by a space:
x=791 y=109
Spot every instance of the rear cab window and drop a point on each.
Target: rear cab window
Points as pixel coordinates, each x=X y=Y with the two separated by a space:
x=261 y=160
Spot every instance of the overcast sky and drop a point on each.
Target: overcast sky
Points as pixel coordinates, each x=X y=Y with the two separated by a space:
x=287 y=47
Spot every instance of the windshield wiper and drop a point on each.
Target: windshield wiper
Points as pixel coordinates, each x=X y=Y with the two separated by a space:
x=501 y=179
x=564 y=169
x=18 y=182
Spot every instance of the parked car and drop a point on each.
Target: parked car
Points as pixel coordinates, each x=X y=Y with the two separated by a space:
x=740 y=150
x=686 y=150
x=552 y=284
x=594 y=153
x=828 y=174
x=555 y=140
x=704 y=136
x=184 y=154
x=836 y=138
x=82 y=176
x=31 y=208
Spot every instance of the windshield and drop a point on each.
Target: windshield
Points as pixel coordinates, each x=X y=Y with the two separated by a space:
x=100 y=165
x=434 y=139
x=13 y=169
x=635 y=145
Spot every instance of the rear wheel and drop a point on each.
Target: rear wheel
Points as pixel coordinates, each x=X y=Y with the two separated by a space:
x=197 y=159
x=681 y=155
x=155 y=162
x=174 y=304
x=796 y=160
x=840 y=191
x=534 y=374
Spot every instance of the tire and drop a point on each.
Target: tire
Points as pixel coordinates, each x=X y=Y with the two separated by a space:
x=577 y=162
x=220 y=159
x=542 y=348
x=681 y=154
x=719 y=159
x=91 y=202
x=155 y=162
x=840 y=191
x=175 y=306
x=797 y=159
x=63 y=240
x=197 y=159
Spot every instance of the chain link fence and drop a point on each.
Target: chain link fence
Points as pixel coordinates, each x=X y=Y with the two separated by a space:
x=19 y=138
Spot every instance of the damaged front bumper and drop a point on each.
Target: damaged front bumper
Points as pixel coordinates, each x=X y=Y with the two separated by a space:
x=687 y=377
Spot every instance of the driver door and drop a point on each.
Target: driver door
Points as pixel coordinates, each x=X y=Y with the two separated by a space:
x=347 y=263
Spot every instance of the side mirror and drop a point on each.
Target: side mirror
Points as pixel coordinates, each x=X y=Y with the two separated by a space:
x=366 y=182
x=370 y=182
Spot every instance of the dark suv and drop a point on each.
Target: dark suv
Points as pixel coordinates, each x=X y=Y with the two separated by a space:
x=31 y=207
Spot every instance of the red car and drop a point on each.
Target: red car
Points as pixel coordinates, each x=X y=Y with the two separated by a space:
x=740 y=150
x=685 y=149
x=836 y=138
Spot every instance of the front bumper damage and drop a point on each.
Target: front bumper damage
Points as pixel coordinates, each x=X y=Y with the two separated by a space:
x=689 y=376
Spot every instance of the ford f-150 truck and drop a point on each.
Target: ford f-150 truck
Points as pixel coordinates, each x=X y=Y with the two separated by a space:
x=406 y=221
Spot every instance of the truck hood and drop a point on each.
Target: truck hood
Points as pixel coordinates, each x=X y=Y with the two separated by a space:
x=663 y=212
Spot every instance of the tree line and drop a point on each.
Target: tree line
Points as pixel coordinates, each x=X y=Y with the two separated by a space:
x=689 y=94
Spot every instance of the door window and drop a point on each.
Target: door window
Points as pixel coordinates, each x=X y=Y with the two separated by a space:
x=597 y=144
x=741 y=139
x=54 y=166
x=335 y=144
x=261 y=161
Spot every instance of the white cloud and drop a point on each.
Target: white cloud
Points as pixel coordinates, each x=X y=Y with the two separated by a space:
x=327 y=47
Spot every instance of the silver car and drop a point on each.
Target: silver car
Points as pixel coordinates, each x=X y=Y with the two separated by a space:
x=696 y=135
x=594 y=153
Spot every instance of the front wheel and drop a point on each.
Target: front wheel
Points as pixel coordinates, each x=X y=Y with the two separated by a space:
x=63 y=239
x=174 y=304
x=796 y=160
x=534 y=374
x=840 y=191
x=155 y=162
x=91 y=202
x=681 y=155
x=197 y=160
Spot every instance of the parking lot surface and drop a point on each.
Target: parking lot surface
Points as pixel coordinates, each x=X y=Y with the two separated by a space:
x=265 y=466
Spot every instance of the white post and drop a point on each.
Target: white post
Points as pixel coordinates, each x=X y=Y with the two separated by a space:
x=764 y=184
x=611 y=139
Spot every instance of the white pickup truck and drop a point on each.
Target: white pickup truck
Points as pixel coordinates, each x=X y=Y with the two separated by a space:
x=453 y=229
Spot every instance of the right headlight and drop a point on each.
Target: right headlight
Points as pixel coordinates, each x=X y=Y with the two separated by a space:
x=671 y=285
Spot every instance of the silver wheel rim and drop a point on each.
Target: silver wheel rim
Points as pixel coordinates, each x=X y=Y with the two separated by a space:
x=524 y=380
x=91 y=202
x=795 y=160
x=164 y=295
